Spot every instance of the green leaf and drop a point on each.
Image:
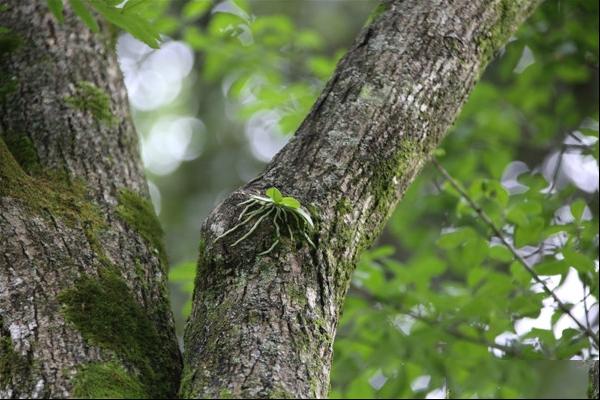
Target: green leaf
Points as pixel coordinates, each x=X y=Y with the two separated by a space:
x=579 y=261
x=274 y=194
x=131 y=4
x=570 y=344
x=552 y=267
x=129 y=22
x=529 y=305
x=577 y=209
x=530 y=233
x=379 y=252
x=56 y=6
x=290 y=202
x=475 y=251
x=517 y=217
x=455 y=238
x=501 y=253
x=82 y=12
x=306 y=216
x=519 y=273
x=476 y=275
x=545 y=335
x=196 y=8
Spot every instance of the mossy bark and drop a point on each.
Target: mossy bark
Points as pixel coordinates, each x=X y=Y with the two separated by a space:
x=83 y=301
x=594 y=376
x=263 y=326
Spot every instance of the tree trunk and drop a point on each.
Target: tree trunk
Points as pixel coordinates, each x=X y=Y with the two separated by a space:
x=83 y=300
x=263 y=325
x=594 y=374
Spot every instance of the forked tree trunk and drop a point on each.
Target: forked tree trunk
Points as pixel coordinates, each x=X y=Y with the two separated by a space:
x=263 y=326
x=83 y=307
x=83 y=300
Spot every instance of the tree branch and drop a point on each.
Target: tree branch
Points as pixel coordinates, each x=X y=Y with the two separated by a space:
x=487 y=220
x=264 y=325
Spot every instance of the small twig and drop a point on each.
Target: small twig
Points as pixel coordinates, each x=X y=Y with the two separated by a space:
x=556 y=171
x=586 y=310
x=485 y=218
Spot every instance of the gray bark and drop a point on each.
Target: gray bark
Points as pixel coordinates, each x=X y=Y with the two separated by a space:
x=594 y=375
x=83 y=298
x=263 y=326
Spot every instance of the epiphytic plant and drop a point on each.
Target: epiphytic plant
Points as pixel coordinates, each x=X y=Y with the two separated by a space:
x=283 y=211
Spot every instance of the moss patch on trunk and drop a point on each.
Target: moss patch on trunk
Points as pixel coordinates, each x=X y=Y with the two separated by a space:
x=139 y=214
x=107 y=314
x=90 y=98
x=12 y=364
x=106 y=381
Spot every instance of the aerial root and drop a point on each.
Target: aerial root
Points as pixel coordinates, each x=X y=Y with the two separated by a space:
x=263 y=210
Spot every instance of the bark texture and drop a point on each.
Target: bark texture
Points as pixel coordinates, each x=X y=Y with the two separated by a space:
x=83 y=300
x=263 y=326
x=594 y=375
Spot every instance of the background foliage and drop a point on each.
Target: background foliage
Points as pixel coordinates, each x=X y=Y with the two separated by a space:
x=440 y=307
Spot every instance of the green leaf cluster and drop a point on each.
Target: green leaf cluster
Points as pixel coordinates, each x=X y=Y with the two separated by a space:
x=132 y=17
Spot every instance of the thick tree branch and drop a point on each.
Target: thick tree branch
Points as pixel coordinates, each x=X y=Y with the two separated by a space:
x=264 y=325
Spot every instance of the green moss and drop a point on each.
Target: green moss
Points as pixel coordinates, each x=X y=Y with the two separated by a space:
x=107 y=314
x=391 y=173
x=8 y=85
x=279 y=393
x=343 y=206
x=187 y=378
x=377 y=11
x=24 y=152
x=90 y=98
x=9 y=41
x=226 y=394
x=48 y=192
x=106 y=381
x=12 y=364
x=297 y=295
x=510 y=14
x=139 y=214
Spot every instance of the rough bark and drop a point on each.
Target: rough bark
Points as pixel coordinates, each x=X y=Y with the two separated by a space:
x=263 y=326
x=594 y=375
x=83 y=300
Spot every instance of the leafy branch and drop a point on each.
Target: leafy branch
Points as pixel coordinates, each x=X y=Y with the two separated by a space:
x=449 y=330
x=128 y=17
x=488 y=221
